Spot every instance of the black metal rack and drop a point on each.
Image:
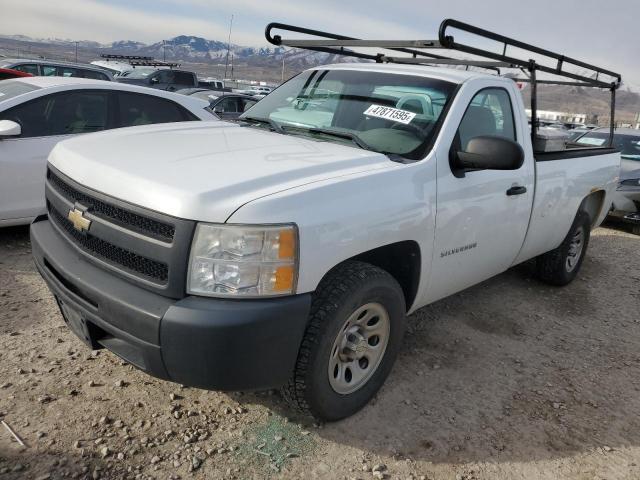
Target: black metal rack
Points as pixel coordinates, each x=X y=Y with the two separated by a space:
x=549 y=62
x=139 y=61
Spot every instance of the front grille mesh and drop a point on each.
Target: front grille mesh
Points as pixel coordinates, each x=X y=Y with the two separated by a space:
x=134 y=263
x=125 y=218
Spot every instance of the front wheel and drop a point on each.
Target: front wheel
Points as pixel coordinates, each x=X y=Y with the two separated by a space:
x=354 y=334
x=561 y=265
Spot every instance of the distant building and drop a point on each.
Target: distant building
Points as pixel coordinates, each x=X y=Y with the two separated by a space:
x=560 y=116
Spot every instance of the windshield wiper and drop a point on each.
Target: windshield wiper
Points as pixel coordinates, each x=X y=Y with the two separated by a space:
x=348 y=135
x=266 y=121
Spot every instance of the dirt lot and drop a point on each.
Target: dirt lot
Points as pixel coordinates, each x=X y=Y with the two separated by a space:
x=510 y=379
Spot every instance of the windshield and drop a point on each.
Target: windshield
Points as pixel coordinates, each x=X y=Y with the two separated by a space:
x=387 y=113
x=629 y=145
x=139 y=72
x=10 y=89
x=207 y=95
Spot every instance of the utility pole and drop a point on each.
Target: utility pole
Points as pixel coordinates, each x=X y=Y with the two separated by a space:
x=228 y=47
x=76 y=52
x=282 y=80
x=164 y=51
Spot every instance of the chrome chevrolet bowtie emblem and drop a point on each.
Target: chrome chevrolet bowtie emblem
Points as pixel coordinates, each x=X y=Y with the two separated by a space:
x=80 y=223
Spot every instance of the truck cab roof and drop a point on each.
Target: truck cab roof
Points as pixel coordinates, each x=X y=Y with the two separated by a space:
x=445 y=74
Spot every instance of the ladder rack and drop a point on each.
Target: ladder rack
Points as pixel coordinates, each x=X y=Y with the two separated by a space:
x=548 y=62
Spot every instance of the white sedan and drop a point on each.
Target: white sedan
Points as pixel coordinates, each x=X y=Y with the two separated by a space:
x=38 y=112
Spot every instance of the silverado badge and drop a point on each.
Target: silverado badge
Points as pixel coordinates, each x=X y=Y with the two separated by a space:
x=80 y=223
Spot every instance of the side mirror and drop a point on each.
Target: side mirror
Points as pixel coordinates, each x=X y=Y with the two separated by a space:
x=9 y=128
x=154 y=80
x=490 y=153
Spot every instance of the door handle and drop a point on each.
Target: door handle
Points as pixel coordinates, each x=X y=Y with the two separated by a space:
x=516 y=190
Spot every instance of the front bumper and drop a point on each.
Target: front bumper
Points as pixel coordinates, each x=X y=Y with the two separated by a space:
x=201 y=342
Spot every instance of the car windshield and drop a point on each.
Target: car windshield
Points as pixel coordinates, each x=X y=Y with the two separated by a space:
x=139 y=73
x=384 y=112
x=629 y=145
x=10 y=89
x=207 y=95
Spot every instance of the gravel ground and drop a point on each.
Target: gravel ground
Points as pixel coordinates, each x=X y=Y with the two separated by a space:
x=511 y=379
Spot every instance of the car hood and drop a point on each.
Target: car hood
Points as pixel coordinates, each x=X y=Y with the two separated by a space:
x=203 y=171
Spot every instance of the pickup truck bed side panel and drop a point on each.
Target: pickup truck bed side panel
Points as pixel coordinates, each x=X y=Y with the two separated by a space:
x=343 y=217
x=561 y=185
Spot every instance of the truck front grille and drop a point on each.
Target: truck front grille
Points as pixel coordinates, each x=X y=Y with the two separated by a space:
x=137 y=264
x=160 y=230
x=144 y=247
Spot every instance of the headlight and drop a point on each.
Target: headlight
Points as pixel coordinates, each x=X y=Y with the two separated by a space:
x=243 y=261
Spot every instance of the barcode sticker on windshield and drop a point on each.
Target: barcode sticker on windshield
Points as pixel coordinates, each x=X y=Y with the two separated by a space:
x=388 y=113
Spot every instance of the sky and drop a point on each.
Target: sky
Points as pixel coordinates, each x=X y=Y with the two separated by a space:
x=598 y=32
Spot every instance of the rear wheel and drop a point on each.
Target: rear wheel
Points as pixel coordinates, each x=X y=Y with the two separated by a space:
x=561 y=265
x=353 y=337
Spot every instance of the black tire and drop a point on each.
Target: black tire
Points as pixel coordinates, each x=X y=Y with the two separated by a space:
x=635 y=229
x=553 y=267
x=344 y=290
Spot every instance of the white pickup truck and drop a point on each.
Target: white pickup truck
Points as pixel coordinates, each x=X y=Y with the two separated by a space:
x=286 y=250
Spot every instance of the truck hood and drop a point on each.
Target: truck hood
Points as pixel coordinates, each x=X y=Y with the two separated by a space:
x=200 y=170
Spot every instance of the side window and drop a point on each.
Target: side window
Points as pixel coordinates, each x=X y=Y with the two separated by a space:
x=28 y=68
x=227 y=105
x=163 y=76
x=62 y=114
x=139 y=109
x=79 y=112
x=489 y=113
x=182 y=78
x=246 y=104
x=48 y=70
x=94 y=75
x=32 y=117
x=69 y=72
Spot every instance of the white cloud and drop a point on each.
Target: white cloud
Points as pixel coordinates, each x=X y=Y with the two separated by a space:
x=590 y=30
x=92 y=20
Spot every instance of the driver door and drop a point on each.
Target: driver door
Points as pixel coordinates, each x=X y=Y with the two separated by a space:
x=482 y=215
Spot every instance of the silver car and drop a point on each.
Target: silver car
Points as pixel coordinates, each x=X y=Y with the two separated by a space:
x=53 y=68
x=626 y=200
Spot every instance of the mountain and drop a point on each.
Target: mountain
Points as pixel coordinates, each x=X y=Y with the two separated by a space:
x=209 y=58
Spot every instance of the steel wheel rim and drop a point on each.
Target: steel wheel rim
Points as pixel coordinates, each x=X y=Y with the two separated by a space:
x=575 y=250
x=359 y=348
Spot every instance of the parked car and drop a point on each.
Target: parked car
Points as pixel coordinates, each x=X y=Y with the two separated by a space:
x=627 y=140
x=226 y=106
x=162 y=79
x=36 y=113
x=260 y=90
x=7 y=73
x=115 y=67
x=576 y=133
x=51 y=68
x=213 y=84
x=626 y=200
